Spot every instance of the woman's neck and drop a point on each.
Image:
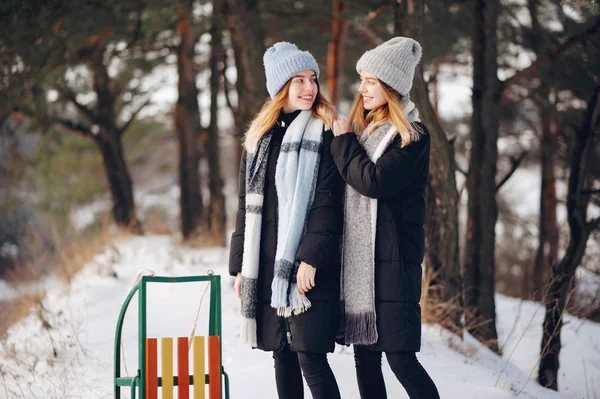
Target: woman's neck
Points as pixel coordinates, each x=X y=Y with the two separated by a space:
x=288 y=117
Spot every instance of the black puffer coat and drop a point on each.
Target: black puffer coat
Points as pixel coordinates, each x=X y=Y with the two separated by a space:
x=313 y=331
x=398 y=181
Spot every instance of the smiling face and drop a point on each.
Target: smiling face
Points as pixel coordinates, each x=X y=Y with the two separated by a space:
x=303 y=91
x=371 y=90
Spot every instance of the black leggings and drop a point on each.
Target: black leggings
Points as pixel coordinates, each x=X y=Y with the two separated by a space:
x=405 y=366
x=316 y=370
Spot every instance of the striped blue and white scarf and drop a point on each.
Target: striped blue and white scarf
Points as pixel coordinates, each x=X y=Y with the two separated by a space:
x=295 y=181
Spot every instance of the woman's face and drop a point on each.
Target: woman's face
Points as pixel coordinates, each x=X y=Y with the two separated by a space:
x=303 y=91
x=371 y=91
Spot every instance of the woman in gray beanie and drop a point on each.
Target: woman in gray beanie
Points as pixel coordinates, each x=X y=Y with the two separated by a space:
x=384 y=160
x=285 y=248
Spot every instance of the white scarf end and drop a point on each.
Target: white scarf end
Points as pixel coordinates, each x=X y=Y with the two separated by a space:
x=248 y=332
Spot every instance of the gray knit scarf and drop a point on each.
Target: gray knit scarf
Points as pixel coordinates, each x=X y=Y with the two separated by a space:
x=295 y=181
x=358 y=251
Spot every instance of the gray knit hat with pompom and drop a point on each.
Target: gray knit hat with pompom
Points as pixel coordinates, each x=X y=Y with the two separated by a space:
x=282 y=61
x=393 y=62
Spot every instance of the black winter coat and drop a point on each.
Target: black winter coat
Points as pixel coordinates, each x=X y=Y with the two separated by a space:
x=398 y=181
x=314 y=330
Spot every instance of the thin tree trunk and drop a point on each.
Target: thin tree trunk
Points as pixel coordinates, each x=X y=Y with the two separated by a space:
x=479 y=266
x=336 y=51
x=547 y=252
x=444 y=297
x=433 y=85
x=563 y=273
x=441 y=222
x=109 y=142
x=247 y=40
x=187 y=126
x=216 y=208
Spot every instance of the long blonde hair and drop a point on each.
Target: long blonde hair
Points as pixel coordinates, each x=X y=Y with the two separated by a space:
x=390 y=112
x=322 y=109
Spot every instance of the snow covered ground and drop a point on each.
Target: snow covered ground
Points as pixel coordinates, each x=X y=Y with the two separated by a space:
x=64 y=349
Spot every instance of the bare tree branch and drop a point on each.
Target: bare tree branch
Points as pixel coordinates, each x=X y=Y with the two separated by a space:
x=462 y=171
x=227 y=86
x=74 y=127
x=361 y=25
x=138 y=25
x=373 y=14
x=152 y=43
x=516 y=161
x=371 y=37
x=87 y=112
x=550 y=56
x=133 y=117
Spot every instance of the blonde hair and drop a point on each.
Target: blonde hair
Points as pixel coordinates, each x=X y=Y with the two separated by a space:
x=390 y=112
x=321 y=109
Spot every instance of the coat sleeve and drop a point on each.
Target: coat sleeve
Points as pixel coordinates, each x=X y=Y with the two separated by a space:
x=236 y=249
x=394 y=170
x=324 y=224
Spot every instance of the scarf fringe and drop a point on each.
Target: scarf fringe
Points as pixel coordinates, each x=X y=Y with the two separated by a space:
x=341 y=328
x=361 y=328
x=298 y=303
x=248 y=332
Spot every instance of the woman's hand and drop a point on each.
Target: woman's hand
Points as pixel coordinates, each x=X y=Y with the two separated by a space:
x=237 y=286
x=341 y=126
x=305 y=279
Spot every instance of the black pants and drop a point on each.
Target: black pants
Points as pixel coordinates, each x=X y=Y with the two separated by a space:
x=316 y=370
x=405 y=366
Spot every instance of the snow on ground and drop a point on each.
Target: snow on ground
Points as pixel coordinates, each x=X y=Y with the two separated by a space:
x=65 y=348
x=520 y=334
x=86 y=215
x=7 y=291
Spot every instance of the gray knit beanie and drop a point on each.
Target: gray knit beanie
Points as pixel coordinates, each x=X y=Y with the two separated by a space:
x=282 y=61
x=393 y=62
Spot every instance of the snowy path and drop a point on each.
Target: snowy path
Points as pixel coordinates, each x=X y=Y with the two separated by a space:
x=73 y=359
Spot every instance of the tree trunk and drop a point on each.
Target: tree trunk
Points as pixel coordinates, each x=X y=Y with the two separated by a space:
x=441 y=221
x=433 y=85
x=216 y=207
x=336 y=51
x=479 y=266
x=119 y=180
x=547 y=252
x=247 y=40
x=559 y=290
x=444 y=296
x=187 y=126
x=108 y=140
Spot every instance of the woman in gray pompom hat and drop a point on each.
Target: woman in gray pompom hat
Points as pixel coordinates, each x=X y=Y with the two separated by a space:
x=383 y=155
x=284 y=251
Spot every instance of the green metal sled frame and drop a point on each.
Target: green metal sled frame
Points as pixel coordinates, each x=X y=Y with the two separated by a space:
x=214 y=328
